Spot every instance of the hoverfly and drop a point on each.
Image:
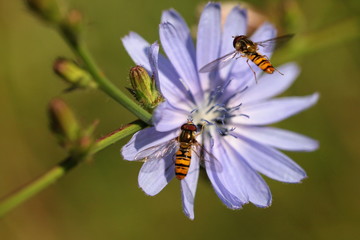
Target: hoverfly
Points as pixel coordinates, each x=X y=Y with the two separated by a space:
x=244 y=47
x=181 y=147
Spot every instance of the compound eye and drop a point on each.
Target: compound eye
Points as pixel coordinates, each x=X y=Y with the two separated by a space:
x=189 y=127
x=236 y=41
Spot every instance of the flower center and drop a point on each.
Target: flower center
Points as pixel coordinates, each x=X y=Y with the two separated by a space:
x=215 y=112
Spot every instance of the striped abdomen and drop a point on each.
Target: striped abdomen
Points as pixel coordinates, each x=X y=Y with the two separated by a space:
x=262 y=62
x=182 y=160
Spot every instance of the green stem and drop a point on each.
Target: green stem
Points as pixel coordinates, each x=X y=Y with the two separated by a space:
x=30 y=189
x=79 y=48
x=117 y=135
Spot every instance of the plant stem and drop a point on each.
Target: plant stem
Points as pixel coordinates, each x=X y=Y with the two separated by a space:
x=117 y=135
x=40 y=183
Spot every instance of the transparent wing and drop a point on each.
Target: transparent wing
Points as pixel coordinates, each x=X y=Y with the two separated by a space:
x=157 y=152
x=272 y=42
x=205 y=156
x=155 y=164
x=220 y=62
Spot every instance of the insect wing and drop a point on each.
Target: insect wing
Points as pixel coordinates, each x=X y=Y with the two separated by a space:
x=157 y=155
x=267 y=45
x=157 y=152
x=220 y=62
x=207 y=157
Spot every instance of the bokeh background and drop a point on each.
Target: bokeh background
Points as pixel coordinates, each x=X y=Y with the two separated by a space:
x=101 y=200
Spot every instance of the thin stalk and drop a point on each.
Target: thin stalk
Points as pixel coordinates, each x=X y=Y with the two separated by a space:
x=40 y=183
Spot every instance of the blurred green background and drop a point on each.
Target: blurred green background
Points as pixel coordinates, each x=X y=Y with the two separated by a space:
x=101 y=200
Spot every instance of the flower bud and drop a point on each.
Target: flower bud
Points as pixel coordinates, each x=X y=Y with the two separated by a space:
x=72 y=26
x=63 y=122
x=71 y=73
x=78 y=141
x=48 y=10
x=144 y=88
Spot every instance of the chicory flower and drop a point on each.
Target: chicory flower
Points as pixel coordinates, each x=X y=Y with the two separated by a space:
x=232 y=106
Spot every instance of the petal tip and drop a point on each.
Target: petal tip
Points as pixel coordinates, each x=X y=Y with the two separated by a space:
x=188 y=215
x=315 y=97
x=212 y=4
x=315 y=144
x=147 y=192
x=240 y=10
x=122 y=153
x=167 y=13
x=302 y=176
x=155 y=44
x=130 y=34
x=126 y=154
x=266 y=205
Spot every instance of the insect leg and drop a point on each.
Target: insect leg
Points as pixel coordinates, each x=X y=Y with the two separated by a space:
x=201 y=130
x=278 y=71
x=240 y=56
x=247 y=61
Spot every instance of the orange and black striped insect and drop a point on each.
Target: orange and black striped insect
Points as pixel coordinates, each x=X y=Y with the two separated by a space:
x=186 y=139
x=244 y=47
x=181 y=149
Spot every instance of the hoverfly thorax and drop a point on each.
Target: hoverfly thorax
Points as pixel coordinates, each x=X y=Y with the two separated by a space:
x=188 y=131
x=244 y=44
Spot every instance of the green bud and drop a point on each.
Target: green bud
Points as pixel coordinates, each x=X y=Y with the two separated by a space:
x=144 y=88
x=48 y=10
x=63 y=123
x=76 y=140
x=72 y=26
x=71 y=73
